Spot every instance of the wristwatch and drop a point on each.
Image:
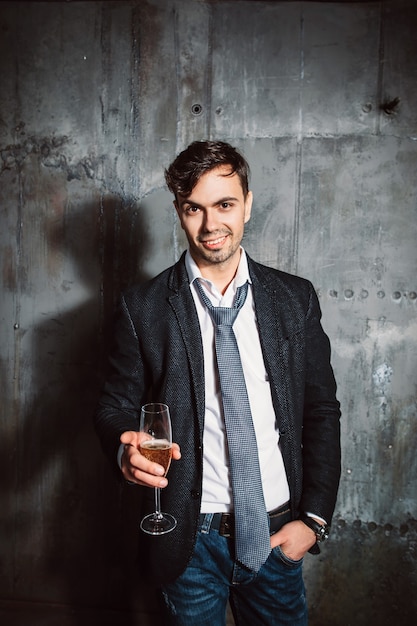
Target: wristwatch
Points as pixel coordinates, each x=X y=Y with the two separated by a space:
x=321 y=531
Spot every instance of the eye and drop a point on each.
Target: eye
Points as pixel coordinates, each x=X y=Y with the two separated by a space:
x=225 y=205
x=192 y=209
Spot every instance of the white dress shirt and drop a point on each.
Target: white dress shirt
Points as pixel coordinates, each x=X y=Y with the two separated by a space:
x=217 y=493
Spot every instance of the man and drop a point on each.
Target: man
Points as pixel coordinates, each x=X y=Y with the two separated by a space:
x=165 y=350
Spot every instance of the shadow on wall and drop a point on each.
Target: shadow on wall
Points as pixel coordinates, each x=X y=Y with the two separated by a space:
x=75 y=526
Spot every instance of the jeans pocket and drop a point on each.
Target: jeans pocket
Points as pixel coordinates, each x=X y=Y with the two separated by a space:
x=281 y=556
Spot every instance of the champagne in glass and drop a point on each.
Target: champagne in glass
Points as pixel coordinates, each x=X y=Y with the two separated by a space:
x=155 y=422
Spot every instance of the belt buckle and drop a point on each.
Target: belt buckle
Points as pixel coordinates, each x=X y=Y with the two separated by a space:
x=226 y=528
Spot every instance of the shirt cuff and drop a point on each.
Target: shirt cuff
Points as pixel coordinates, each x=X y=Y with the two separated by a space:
x=120 y=454
x=317 y=517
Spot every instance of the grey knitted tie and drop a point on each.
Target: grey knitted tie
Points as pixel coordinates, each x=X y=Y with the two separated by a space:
x=251 y=519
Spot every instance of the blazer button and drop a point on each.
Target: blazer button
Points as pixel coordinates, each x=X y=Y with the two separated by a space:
x=195 y=494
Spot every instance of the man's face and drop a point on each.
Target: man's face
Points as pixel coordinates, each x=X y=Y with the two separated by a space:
x=213 y=217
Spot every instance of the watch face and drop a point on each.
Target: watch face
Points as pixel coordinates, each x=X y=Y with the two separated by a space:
x=324 y=533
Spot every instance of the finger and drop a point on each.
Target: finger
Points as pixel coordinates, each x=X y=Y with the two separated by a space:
x=148 y=480
x=129 y=437
x=276 y=539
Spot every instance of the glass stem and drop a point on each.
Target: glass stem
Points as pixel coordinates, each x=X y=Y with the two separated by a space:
x=158 y=513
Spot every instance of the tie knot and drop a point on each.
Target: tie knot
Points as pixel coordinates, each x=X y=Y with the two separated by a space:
x=223 y=315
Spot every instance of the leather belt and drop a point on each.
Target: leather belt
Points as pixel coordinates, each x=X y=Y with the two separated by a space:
x=225 y=522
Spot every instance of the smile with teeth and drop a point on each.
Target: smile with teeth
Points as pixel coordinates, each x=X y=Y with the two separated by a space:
x=214 y=242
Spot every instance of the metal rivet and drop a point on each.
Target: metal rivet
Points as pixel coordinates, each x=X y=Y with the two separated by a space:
x=16 y=326
x=364 y=293
x=196 y=109
x=396 y=295
x=381 y=294
x=367 y=108
x=412 y=295
x=348 y=294
x=333 y=293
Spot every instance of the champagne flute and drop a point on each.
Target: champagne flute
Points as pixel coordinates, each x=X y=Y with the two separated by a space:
x=155 y=422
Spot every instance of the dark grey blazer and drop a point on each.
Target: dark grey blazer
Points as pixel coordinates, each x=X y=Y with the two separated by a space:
x=158 y=356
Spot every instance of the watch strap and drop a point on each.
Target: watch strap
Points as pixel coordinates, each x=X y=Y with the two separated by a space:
x=321 y=530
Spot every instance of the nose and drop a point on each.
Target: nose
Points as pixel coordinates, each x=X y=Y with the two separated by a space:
x=210 y=222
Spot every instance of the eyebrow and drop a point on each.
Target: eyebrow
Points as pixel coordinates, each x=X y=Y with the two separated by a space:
x=217 y=203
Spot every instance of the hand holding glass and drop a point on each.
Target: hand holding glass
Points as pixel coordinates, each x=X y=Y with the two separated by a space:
x=155 y=422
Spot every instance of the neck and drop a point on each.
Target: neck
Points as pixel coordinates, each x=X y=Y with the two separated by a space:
x=220 y=274
x=221 y=281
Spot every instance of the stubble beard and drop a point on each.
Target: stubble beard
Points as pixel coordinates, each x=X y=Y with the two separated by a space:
x=217 y=257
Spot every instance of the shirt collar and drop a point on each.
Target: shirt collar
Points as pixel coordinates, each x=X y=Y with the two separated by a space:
x=241 y=277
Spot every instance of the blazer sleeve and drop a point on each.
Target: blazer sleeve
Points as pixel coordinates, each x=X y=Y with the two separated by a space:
x=321 y=420
x=117 y=409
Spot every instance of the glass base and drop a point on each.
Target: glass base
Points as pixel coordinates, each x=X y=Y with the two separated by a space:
x=158 y=524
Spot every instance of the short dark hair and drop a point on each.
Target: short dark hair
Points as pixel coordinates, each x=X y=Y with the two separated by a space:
x=199 y=158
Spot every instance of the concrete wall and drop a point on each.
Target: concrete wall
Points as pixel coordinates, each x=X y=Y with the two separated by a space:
x=96 y=98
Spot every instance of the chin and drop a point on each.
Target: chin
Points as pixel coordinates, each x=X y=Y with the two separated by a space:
x=217 y=256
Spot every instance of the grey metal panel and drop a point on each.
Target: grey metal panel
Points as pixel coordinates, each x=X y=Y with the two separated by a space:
x=256 y=69
x=399 y=70
x=193 y=69
x=269 y=235
x=340 y=69
x=10 y=340
x=44 y=71
x=155 y=45
x=293 y=69
x=357 y=233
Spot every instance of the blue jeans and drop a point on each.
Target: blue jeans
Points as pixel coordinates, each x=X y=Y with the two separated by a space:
x=275 y=596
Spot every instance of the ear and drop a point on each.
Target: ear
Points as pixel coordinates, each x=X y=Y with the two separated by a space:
x=248 y=206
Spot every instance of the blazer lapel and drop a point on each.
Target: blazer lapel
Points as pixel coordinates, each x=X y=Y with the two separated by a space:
x=183 y=306
x=273 y=334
